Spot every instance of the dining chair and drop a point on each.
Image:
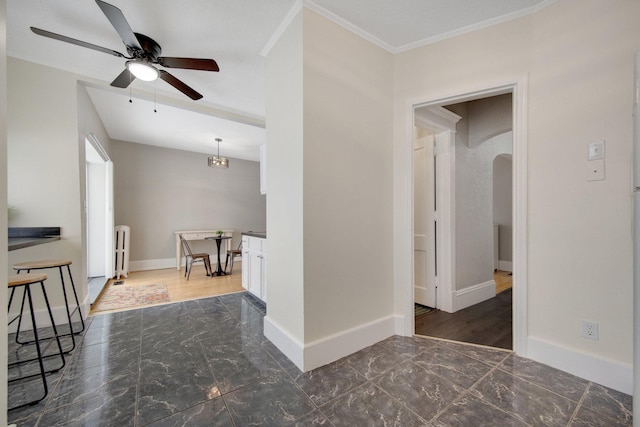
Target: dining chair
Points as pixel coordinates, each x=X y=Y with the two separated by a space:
x=231 y=254
x=191 y=258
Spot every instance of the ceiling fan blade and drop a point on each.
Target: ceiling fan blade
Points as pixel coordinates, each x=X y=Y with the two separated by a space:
x=119 y=22
x=60 y=37
x=124 y=79
x=189 y=63
x=178 y=84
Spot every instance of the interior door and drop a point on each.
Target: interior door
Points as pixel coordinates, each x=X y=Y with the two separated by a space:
x=424 y=224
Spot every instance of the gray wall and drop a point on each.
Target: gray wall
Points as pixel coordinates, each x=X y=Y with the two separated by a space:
x=158 y=191
x=474 y=184
x=503 y=203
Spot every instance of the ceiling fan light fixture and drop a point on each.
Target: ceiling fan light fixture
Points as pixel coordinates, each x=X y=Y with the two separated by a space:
x=142 y=70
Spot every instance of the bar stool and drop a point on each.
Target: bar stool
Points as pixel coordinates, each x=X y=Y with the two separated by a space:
x=26 y=280
x=59 y=264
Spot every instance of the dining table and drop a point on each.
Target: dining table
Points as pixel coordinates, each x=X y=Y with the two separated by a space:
x=219 y=271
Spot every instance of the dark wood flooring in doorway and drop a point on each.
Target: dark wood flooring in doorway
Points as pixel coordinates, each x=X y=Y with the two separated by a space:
x=487 y=323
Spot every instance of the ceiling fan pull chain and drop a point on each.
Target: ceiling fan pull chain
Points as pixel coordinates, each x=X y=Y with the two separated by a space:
x=155 y=94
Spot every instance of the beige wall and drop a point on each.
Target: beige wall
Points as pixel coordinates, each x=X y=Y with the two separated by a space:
x=158 y=191
x=285 y=256
x=347 y=179
x=329 y=137
x=578 y=57
x=3 y=206
x=43 y=163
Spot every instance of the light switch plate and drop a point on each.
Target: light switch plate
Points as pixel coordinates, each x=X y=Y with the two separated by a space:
x=595 y=170
x=596 y=150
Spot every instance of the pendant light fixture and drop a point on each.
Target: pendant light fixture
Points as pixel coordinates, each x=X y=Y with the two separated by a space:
x=217 y=161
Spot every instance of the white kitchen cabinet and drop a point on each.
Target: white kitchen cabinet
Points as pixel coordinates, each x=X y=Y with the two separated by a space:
x=254 y=266
x=245 y=262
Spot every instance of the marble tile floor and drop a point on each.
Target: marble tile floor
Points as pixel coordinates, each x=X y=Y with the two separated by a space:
x=206 y=363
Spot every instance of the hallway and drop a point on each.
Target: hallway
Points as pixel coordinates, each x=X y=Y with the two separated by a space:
x=487 y=323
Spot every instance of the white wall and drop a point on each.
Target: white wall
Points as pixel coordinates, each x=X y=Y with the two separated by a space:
x=158 y=191
x=342 y=146
x=580 y=90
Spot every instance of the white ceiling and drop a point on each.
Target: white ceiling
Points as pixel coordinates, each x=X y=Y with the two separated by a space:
x=234 y=33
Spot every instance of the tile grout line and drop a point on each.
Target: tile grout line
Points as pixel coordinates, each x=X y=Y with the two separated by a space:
x=579 y=405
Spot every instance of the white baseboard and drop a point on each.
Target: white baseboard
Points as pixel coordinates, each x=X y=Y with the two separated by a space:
x=473 y=295
x=505 y=266
x=600 y=370
x=42 y=315
x=329 y=349
x=152 y=264
x=159 y=264
x=291 y=347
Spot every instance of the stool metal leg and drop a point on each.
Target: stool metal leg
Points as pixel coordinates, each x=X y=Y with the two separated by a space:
x=66 y=305
x=69 y=313
x=35 y=332
x=78 y=309
x=40 y=357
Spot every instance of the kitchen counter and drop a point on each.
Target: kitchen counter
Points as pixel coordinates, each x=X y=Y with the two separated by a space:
x=24 y=237
x=260 y=234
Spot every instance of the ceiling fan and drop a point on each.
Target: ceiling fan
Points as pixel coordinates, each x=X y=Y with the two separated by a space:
x=143 y=53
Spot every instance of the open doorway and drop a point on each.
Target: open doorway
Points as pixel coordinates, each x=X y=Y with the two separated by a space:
x=463 y=257
x=99 y=213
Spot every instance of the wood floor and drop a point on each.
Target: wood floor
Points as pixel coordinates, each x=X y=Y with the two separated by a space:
x=181 y=289
x=487 y=323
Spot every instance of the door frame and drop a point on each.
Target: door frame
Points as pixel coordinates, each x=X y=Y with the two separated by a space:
x=403 y=222
x=442 y=123
x=109 y=214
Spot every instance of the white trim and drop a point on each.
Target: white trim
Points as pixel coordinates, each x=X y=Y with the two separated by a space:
x=419 y=43
x=520 y=196
x=600 y=370
x=437 y=119
x=42 y=316
x=297 y=6
x=348 y=25
x=473 y=295
x=152 y=264
x=161 y=263
x=403 y=216
x=505 y=266
x=95 y=143
x=328 y=349
x=474 y=27
x=446 y=225
x=287 y=344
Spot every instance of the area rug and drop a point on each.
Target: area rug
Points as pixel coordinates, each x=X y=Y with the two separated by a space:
x=123 y=296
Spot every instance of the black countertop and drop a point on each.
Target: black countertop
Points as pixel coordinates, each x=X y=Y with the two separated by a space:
x=24 y=237
x=260 y=234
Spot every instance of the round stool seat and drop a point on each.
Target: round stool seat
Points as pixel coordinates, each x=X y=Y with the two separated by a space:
x=45 y=263
x=61 y=264
x=25 y=279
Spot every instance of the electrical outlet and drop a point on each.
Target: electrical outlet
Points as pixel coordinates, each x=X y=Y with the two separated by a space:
x=590 y=330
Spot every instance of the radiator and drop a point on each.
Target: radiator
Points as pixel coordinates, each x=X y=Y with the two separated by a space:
x=122 y=250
